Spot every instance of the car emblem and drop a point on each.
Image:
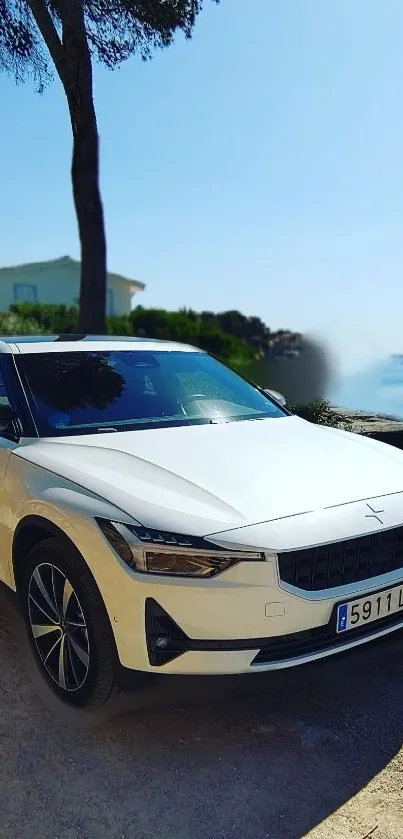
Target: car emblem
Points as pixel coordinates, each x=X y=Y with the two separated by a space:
x=374 y=514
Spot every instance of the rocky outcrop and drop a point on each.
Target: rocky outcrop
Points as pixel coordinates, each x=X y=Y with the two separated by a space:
x=387 y=429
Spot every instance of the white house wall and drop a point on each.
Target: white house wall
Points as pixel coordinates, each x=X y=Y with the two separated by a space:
x=57 y=284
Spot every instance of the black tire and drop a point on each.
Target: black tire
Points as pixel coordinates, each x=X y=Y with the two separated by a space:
x=81 y=683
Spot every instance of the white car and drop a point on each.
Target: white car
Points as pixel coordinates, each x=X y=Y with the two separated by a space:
x=159 y=513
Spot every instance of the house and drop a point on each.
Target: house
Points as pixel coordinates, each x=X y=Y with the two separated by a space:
x=58 y=281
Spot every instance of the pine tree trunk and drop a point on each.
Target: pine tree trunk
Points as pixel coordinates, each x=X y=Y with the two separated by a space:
x=72 y=59
x=90 y=218
x=85 y=180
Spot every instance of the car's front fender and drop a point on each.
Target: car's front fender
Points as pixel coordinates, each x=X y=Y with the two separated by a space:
x=30 y=492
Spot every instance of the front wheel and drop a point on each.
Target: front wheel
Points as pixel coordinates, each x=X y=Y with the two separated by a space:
x=68 y=625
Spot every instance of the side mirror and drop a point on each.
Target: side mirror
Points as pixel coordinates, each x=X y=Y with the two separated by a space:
x=6 y=415
x=277 y=396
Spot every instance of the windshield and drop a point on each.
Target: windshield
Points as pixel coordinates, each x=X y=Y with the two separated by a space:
x=86 y=392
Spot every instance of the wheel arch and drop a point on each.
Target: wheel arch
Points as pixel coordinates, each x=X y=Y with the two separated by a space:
x=29 y=532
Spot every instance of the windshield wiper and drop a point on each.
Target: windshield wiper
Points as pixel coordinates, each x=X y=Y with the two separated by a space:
x=218 y=420
x=106 y=430
x=239 y=418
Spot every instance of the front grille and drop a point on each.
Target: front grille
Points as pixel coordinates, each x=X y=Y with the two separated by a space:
x=322 y=639
x=341 y=563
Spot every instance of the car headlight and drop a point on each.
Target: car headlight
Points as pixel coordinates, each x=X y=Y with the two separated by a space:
x=158 y=552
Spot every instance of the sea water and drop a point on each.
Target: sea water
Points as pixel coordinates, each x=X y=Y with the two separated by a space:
x=379 y=389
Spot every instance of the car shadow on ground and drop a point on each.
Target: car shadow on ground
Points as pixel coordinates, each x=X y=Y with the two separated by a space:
x=270 y=755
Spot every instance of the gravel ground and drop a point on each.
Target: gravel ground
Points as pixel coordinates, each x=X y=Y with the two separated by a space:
x=313 y=751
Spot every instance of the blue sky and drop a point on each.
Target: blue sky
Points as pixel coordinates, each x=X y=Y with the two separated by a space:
x=257 y=167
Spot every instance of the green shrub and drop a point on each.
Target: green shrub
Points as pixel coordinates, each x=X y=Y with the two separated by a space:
x=118 y=325
x=14 y=324
x=320 y=413
x=50 y=318
x=188 y=327
x=184 y=326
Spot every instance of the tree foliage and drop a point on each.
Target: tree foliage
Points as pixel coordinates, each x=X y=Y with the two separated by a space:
x=22 y=53
x=249 y=329
x=33 y=33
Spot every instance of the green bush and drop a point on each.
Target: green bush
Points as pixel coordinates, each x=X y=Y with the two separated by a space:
x=184 y=326
x=188 y=327
x=13 y=324
x=48 y=317
x=320 y=413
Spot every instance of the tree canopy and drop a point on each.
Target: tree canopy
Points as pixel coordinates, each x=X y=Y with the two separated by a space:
x=33 y=32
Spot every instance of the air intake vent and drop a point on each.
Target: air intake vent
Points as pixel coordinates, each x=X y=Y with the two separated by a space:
x=165 y=640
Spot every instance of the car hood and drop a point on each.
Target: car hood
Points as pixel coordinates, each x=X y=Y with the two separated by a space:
x=210 y=478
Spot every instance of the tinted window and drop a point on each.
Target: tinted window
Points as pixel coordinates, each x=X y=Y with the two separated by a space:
x=3 y=393
x=6 y=423
x=79 y=392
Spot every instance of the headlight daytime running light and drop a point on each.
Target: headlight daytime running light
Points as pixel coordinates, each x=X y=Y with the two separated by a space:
x=158 y=552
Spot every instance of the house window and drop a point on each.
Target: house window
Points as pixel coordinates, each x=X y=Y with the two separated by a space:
x=25 y=293
x=109 y=301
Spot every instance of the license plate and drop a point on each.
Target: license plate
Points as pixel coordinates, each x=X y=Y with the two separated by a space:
x=371 y=608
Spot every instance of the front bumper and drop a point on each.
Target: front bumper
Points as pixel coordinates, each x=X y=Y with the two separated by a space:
x=166 y=643
x=244 y=620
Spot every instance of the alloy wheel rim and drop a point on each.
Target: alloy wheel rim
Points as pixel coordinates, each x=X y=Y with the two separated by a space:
x=58 y=627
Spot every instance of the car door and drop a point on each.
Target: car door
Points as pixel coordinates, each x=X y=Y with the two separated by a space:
x=8 y=442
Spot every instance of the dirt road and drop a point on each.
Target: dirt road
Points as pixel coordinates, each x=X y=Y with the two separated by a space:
x=313 y=751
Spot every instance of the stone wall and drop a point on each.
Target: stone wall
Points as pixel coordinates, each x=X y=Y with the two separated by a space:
x=385 y=429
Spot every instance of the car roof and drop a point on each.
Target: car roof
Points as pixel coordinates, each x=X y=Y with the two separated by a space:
x=17 y=344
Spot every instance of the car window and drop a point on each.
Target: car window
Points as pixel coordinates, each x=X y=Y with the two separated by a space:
x=3 y=389
x=4 y=400
x=79 y=392
x=5 y=421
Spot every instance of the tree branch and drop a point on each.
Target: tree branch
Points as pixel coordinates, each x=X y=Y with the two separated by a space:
x=49 y=33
